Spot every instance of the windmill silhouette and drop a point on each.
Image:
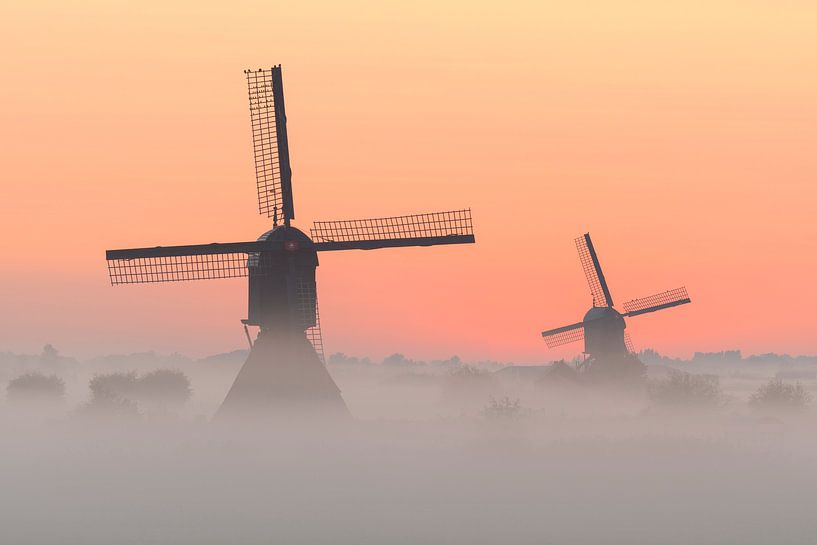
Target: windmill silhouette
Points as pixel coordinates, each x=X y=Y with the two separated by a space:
x=603 y=326
x=285 y=373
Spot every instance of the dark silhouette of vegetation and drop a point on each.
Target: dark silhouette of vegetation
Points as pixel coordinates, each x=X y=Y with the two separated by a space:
x=502 y=409
x=682 y=389
x=467 y=372
x=777 y=395
x=398 y=360
x=164 y=388
x=49 y=355
x=35 y=386
x=112 y=385
x=161 y=389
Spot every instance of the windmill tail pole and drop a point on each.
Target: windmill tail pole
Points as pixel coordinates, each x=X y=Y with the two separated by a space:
x=247 y=333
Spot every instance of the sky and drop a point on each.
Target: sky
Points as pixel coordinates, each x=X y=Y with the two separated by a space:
x=680 y=134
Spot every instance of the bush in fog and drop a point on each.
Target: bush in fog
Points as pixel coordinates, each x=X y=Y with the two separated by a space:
x=682 y=389
x=106 y=403
x=35 y=385
x=339 y=358
x=124 y=392
x=163 y=387
x=111 y=395
x=398 y=360
x=502 y=409
x=112 y=385
x=778 y=395
x=468 y=372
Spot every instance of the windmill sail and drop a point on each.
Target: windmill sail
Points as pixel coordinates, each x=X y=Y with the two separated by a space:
x=315 y=335
x=628 y=342
x=181 y=263
x=273 y=174
x=564 y=335
x=593 y=272
x=308 y=314
x=659 y=301
x=451 y=227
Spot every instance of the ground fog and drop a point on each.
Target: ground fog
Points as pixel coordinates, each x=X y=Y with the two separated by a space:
x=438 y=452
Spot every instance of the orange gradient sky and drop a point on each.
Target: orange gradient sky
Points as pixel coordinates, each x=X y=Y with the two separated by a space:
x=681 y=134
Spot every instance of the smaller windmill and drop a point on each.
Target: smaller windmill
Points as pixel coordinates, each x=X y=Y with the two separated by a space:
x=603 y=326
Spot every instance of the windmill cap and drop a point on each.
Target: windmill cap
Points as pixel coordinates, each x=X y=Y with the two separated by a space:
x=288 y=235
x=601 y=313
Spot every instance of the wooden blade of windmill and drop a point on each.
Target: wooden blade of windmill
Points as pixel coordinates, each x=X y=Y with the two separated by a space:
x=273 y=173
x=564 y=335
x=628 y=342
x=431 y=229
x=190 y=262
x=659 y=301
x=315 y=334
x=593 y=273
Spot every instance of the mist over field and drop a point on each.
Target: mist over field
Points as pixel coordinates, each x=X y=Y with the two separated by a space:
x=437 y=452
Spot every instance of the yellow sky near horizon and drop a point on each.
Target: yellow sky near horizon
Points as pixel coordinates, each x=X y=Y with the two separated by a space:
x=680 y=134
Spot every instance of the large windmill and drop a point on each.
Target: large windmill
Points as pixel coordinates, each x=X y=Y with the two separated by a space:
x=603 y=326
x=284 y=374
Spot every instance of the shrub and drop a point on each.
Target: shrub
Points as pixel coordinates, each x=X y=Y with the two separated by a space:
x=161 y=388
x=682 y=389
x=502 y=409
x=112 y=385
x=776 y=394
x=467 y=372
x=164 y=387
x=36 y=385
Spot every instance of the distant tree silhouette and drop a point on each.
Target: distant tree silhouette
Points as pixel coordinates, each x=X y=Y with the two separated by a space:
x=682 y=389
x=502 y=409
x=35 y=386
x=110 y=386
x=339 y=358
x=777 y=395
x=398 y=359
x=49 y=355
x=125 y=392
x=164 y=388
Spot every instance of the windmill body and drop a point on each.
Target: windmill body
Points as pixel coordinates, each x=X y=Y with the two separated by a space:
x=606 y=342
x=282 y=288
x=285 y=374
x=604 y=332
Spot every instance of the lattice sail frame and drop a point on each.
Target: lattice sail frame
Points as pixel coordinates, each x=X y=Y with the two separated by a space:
x=270 y=144
x=308 y=314
x=181 y=268
x=674 y=297
x=593 y=280
x=628 y=342
x=564 y=337
x=315 y=335
x=416 y=226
